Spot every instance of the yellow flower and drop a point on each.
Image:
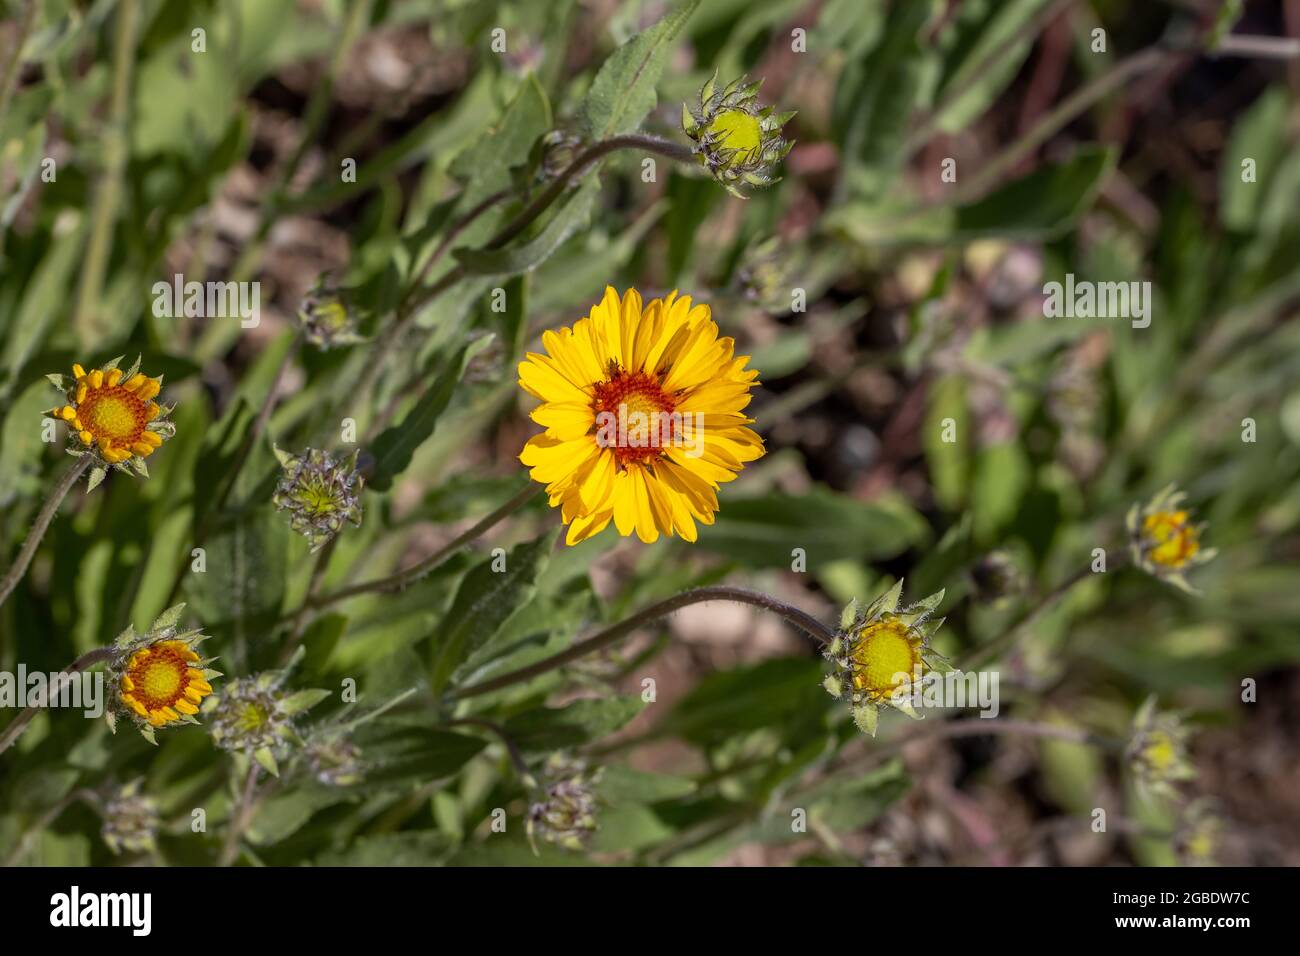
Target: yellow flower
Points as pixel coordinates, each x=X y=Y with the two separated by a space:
x=158 y=679
x=643 y=411
x=881 y=654
x=161 y=683
x=1163 y=540
x=113 y=414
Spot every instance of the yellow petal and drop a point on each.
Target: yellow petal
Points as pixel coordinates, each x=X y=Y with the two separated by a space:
x=68 y=413
x=78 y=371
x=148 y=390
x=185 y=707
x=143 y=449
x=86 y=437
x=82 y=389
x=96 y=379
x=151 y=438
x=127 y=684
x=113 y=377
x=151 y=411
x=138 y=707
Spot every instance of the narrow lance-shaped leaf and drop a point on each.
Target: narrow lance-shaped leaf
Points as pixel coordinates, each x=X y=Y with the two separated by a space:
x=395 y=446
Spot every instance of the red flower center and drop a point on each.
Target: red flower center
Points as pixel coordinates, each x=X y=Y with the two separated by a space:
x=634 y=416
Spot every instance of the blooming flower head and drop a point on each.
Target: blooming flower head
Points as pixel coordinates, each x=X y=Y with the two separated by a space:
x=326 y=318
x=1163 y=540
x=566 y=813
x=254 y=717
x=131 y=820
x=320 y=493
x=158 y=679
x=643 y=408
x=113 y=416
x=1157 y=751
x=881 y=653
x=736 y=140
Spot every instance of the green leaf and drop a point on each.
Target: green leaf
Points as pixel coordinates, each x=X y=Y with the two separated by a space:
x=623 y=92
x=21 y=446
x=395 y=446
x=283 y=814
x=992 y=40
x=488 y=595
x=419 y=848
x=1041 y=204
x=573 y=214
x=622 y=784
x=485 y=166
x=775 y=693
x=877 y=96
x=407 y=755
x=304 y=700
x=553 y=728
x=245 y=572
x=763 y=531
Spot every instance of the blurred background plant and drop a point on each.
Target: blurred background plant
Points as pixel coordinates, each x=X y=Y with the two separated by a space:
x=951 y=159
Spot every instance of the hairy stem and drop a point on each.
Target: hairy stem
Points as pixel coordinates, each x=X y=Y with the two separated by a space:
x=1007 y=640
x=19 y=723
x=800 y=619
x=42 y=524
x=584 y=161
x=30 y=834
x=239 y=819
x=401 y=579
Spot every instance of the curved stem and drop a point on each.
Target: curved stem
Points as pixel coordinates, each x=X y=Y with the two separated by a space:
x=42 y=524
x=995 y=648
x=584 y=161
x=24 y=842
x=301 y=616
x=19 y=723
x=800 y=619
x=395 y=582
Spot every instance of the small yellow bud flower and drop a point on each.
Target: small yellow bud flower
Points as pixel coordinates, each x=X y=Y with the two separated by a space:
x=1163 y=540
x=736 y=140
x=881 y=653
x=113 y=417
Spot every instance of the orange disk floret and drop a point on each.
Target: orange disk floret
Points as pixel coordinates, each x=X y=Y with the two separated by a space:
x=160 y=684
x=113 y=413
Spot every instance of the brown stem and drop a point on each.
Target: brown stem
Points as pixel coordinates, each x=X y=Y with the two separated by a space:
x=41 y=525
x=401 y=579
x=589 y=157
x=19 y=723
x=239 y=819
x=793 y=615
